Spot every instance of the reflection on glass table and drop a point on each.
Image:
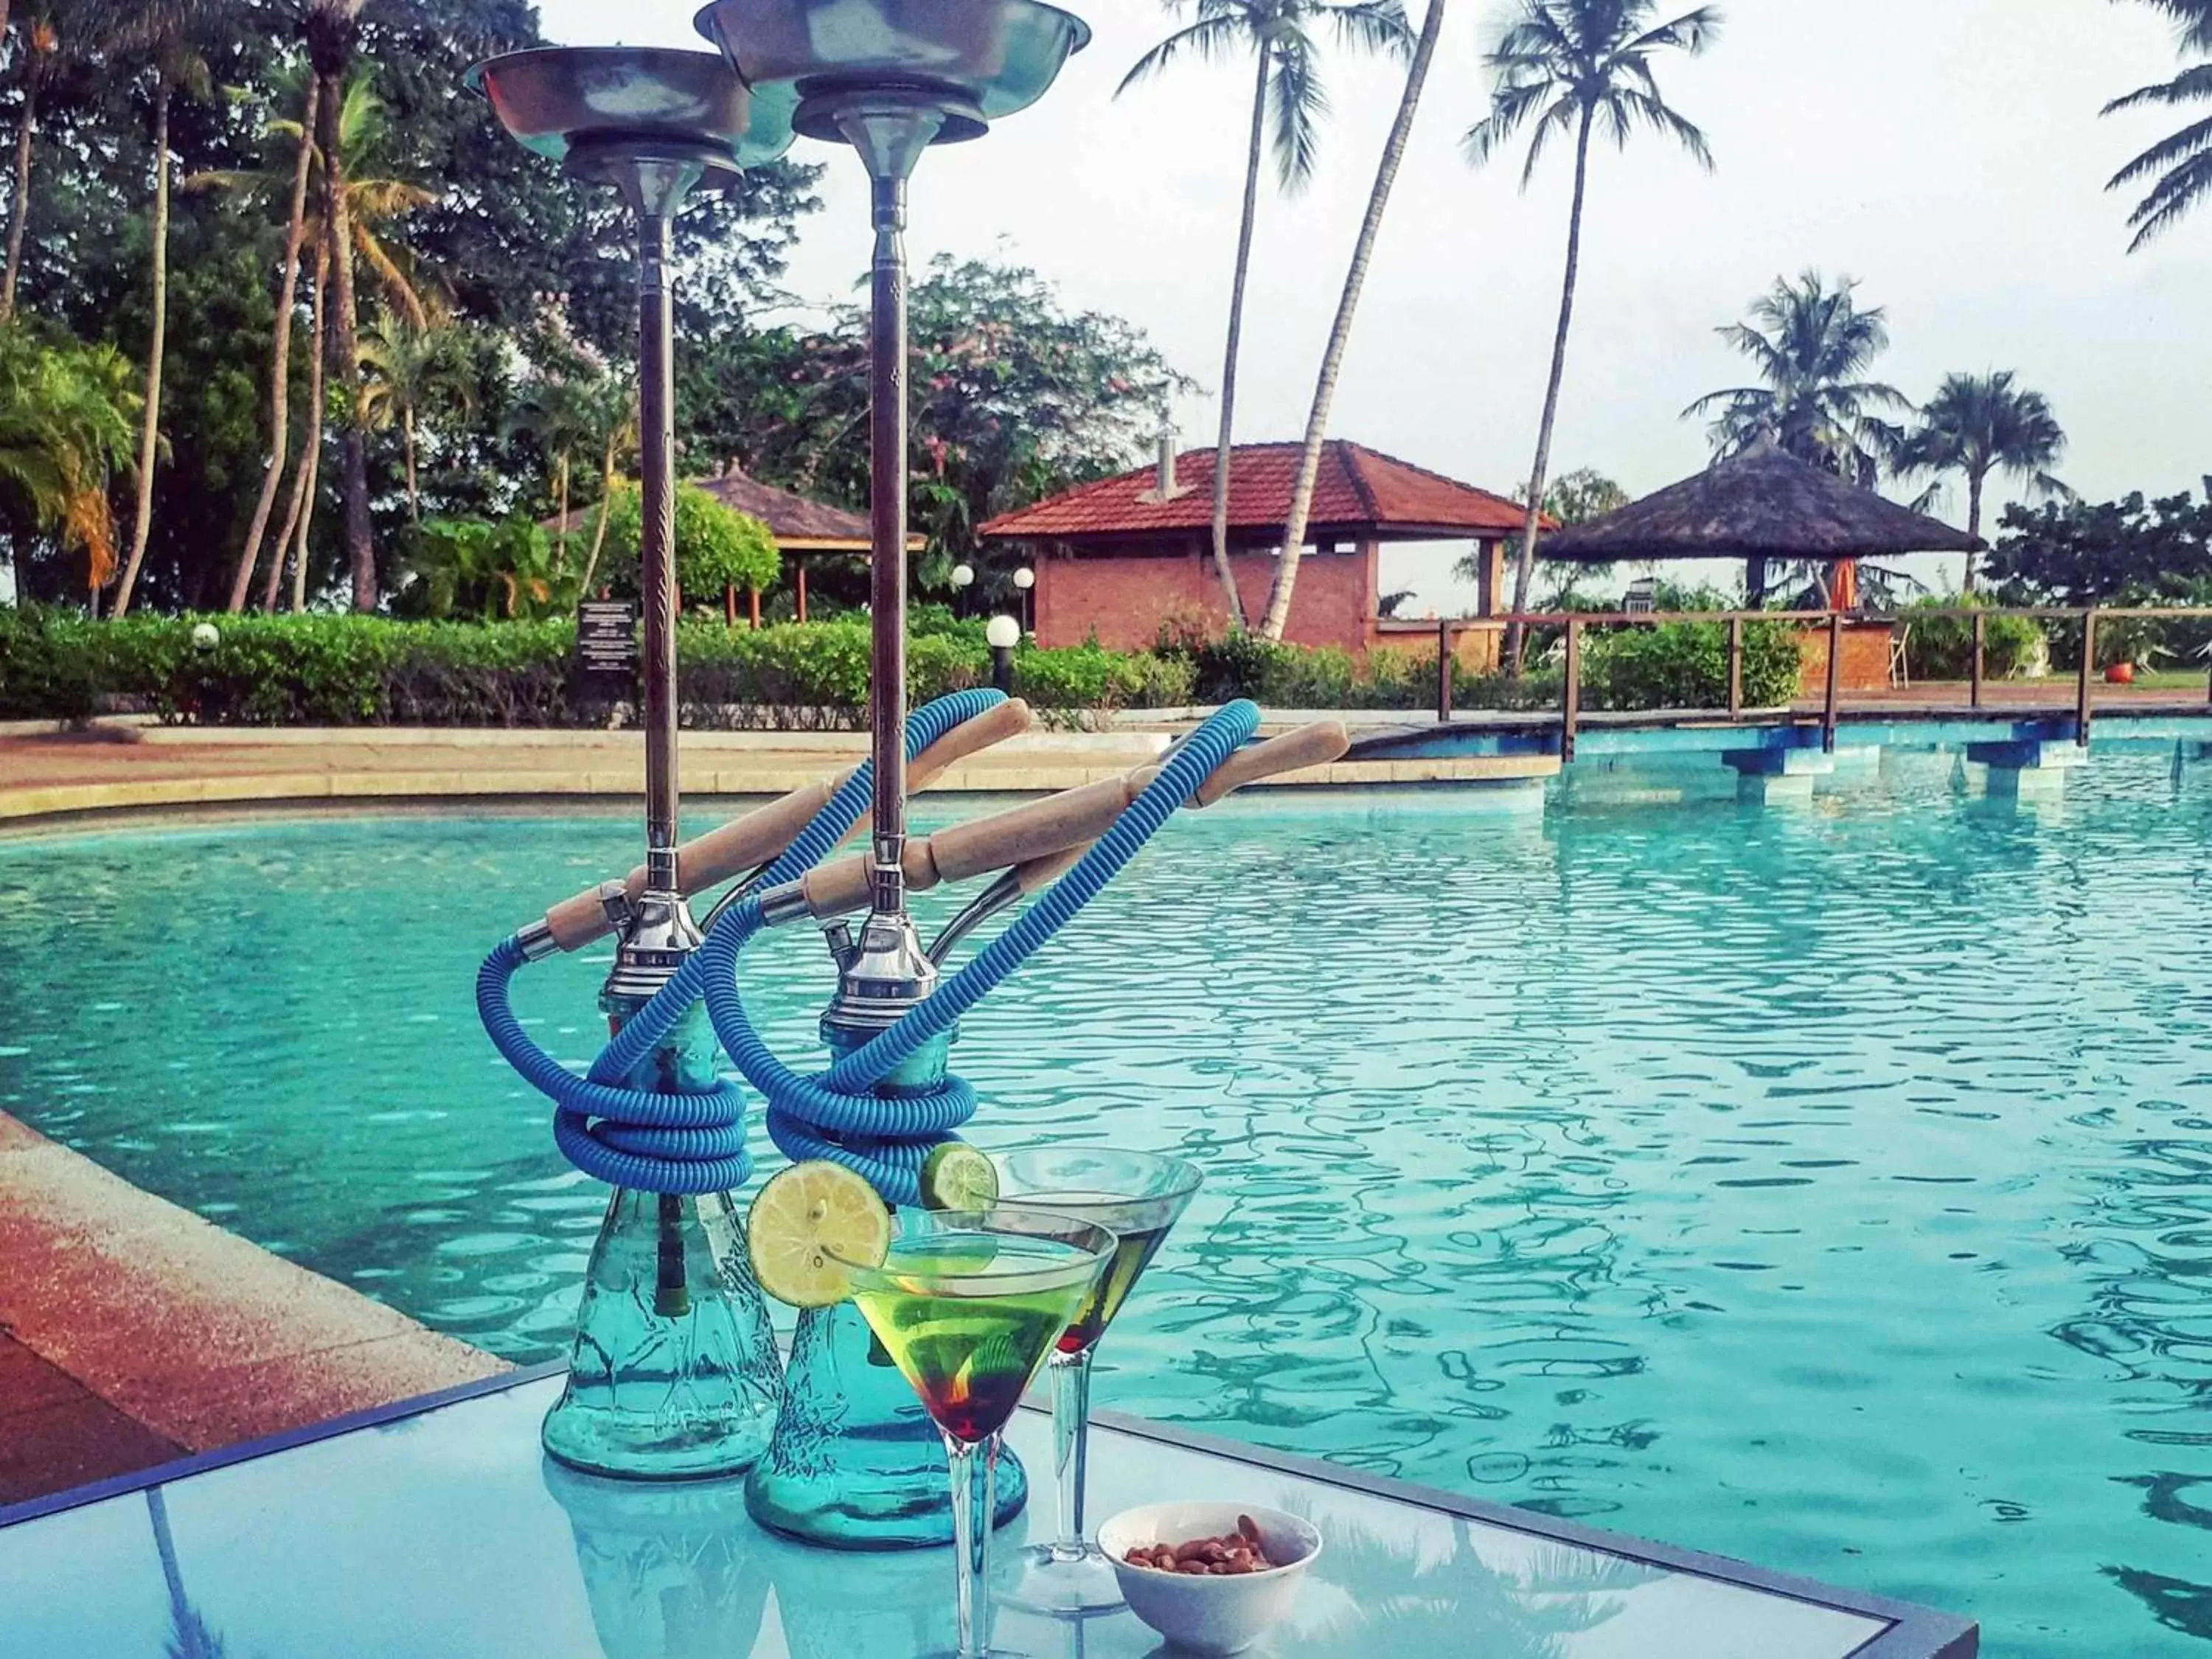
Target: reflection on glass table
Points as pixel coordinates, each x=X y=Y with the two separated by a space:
x=445 y=1532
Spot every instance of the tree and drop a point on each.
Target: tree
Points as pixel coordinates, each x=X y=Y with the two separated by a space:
x=2073 y=553
x=1278 y=34
x=1572 y=498
x=331 y=28
x=1339 y=333
x=66 y=427
x=302 y=134
x=1811 y=345
x=559 y=414
x=1978 y=424
x=362 y=206
x=470 y=567
x=614 y=412
x=169 y=35
x=1014 y=397
x=717 y=549
x=2179 y=166
x=413 y=370
x=1578 y=67
x=42 y=64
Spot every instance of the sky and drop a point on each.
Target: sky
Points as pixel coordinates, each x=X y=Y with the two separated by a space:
x=1948 y=153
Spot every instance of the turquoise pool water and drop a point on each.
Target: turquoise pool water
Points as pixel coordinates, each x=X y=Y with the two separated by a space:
x=1831 y=1187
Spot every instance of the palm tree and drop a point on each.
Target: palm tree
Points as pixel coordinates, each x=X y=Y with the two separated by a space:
x=1278 y=34
x=1978 y=424
x=614 y=411
x=1339 y=333
x=42 y=64
x=2182 y=163
x=1812 y=345
x=333 y=28
x=1578 y=66
x=66 y=427
x=366 y=204
x=169 y=33
x=412 y=370
x=557 y=414
x=302 y=134
x=300 y=514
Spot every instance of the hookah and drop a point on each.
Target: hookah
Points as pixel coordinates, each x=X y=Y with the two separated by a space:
x=673 y=1370
x=853 y=1462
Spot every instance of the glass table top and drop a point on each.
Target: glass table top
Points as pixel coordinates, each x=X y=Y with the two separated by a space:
x=446 y=1532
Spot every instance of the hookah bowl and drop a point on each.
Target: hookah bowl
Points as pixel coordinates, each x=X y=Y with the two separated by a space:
x=854 y=1463
x=674 y=1372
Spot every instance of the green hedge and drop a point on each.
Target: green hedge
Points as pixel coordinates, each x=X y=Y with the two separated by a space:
x=1942 y=647
x=319 y=669
x=1684 y=665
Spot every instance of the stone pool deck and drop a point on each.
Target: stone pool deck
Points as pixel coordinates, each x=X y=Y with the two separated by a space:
x=133 y=1332
x=128 y=767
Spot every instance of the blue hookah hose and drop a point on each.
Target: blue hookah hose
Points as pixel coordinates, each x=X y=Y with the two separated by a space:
x=662 y=1141
x=659 y=1142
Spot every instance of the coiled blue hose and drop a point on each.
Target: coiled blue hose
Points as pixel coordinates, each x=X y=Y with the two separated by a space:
x=647 y=1141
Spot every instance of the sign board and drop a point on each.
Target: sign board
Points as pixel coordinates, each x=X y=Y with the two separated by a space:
x=606 y=651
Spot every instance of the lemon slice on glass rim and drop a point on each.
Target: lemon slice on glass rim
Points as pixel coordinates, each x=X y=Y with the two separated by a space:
x=957 y=1176
x=805 y=1224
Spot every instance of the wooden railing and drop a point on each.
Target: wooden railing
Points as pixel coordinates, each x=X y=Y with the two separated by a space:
x=1572 y=623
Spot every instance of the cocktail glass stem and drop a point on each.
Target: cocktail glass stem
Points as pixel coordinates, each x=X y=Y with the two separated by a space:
x=1071 y=1443
x=971 y=1544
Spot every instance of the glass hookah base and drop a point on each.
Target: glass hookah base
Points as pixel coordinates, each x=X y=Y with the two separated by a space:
x=602 y=1438
x=856 y=1508
x=1067 y=1581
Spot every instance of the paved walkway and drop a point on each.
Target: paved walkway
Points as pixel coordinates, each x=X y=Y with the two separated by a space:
x=133 y=1332
x=120 y=768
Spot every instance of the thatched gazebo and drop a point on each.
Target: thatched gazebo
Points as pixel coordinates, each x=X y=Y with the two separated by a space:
x=1761 y=506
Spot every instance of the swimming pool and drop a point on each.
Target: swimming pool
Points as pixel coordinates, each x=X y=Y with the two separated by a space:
x=1827 y=1186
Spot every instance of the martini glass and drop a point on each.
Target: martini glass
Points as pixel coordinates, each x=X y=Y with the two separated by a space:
x=1136 y=1196
x=968 y=1303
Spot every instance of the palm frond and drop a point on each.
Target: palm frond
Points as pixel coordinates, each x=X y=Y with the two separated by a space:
x=1510 y=109
x=1376 y=26
x=1210 y=39
x=1296 y=105
x=2192 y=83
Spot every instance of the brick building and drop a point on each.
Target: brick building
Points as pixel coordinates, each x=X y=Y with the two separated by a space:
x=1119 y=557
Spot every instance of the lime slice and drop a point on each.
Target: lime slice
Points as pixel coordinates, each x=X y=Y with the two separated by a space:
x=957 y=1176
x=800 y=1217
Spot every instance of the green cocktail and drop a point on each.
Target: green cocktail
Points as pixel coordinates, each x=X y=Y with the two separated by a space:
x=968 y=1303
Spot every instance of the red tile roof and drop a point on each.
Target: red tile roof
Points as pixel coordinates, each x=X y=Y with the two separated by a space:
x=1359 y=491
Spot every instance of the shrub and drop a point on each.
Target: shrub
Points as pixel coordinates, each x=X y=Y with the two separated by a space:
x=1684 y=665
x=1942 y=647
x=716 y=545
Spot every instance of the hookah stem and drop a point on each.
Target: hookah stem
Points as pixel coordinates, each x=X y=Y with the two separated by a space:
x=657 y=585
x=887 y=485
x=657 y=549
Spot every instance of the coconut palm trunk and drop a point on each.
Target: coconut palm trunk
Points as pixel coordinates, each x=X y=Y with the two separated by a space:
x=344 y=354
x=300 y=514
x=600 y=529
x=280 y=371
x=407 y=450
x=1976 y=478
x=149 y=419
x=27 y=121
x=1340 y=334
x=1524 y=564
x=1224 y=446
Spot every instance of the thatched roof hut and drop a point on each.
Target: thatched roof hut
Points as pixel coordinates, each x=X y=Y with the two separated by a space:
x=1762 y=504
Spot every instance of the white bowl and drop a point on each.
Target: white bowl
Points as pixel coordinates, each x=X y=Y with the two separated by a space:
x=1209 y=1615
